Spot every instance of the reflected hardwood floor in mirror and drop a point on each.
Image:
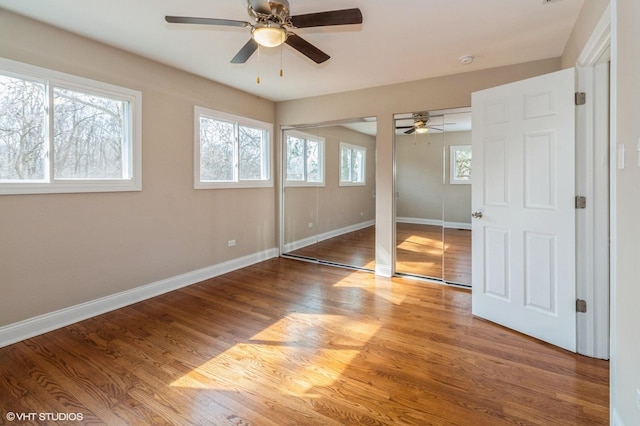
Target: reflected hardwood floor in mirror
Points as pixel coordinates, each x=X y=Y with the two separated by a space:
x=457 y=255
x=355 y=248
x=420 y=252
x=288 y=342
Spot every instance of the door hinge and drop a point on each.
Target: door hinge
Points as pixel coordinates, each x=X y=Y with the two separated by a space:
x=581 y=98
x=581 y=202
x=581 y=305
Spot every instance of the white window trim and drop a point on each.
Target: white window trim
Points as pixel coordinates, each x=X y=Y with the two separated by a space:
x=321 y=154
x=241 y=121
x=364 y=164
x=68 y=81
x=453 y=149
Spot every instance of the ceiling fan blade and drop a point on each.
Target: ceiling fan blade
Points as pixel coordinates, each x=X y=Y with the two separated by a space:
x=205 y=21
x=323 y=19
x=245 y=53
x=306 y=48
x=261 y=6
x=410 y=131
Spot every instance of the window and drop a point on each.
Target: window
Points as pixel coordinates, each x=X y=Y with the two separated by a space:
x=62 y=133
x=305 y=159
x=231 y=151
x=353 y=160
x=460 y=164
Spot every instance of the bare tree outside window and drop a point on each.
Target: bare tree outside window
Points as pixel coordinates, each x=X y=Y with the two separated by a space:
x=61 y=133
x=88 y=136
x=216 y=150
x=230 y=151
x=352 y=164
x=251 y=151
x=295 y=158
x=345 y=165
x=460 y=164
x=22 y=122
x=314 y=171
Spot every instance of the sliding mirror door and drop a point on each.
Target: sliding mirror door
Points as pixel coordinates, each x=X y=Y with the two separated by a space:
x=303 y=176
x=418 y=190
x=331 y=217
x=433 y=194
x=456 y=200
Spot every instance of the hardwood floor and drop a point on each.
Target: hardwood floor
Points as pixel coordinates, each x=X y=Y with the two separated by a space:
x=285 y=342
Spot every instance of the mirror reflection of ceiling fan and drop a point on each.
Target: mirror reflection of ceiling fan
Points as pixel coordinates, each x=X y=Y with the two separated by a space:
x=421 y=124
x=273 y=25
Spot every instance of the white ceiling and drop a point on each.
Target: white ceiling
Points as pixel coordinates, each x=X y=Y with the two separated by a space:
x=399 y=40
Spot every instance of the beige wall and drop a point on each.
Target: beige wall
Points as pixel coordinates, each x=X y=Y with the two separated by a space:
x=419 y=176
x=424 y=95
x=422 y=192
x=588 y=18
x=57 y=250
x=331 y=207
x=626 y=289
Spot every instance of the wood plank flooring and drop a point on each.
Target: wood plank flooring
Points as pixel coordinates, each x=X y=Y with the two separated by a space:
x=285 y=342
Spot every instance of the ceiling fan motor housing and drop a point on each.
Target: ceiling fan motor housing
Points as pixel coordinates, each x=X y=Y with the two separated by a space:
x=277 y=12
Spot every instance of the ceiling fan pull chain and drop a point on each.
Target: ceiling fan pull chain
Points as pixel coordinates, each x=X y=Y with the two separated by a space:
x=281 y=71
x=258 y=79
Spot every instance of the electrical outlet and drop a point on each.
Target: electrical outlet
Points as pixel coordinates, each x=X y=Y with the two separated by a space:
x=231 y=243
x=310 y=225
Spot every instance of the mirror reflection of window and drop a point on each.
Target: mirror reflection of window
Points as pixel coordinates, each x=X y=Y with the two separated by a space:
x=460 y=158
x=352 y=164
x=304 y=159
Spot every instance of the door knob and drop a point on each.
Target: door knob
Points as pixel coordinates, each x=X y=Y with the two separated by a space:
x=476 y=215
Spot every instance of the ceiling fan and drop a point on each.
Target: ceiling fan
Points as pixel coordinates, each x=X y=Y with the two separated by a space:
x=421 y=124
x=273 y=25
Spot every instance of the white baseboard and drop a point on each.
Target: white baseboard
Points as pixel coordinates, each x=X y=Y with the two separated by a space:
x=31 y=327
x=435 y=222
x=295 y=245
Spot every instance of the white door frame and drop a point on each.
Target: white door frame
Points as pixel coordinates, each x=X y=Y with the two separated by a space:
x=593 y=167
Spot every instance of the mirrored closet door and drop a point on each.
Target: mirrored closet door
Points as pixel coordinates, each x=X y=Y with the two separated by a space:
x=328 y=183
x=433 y=194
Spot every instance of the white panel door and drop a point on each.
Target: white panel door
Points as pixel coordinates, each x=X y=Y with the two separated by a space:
x=523 y=229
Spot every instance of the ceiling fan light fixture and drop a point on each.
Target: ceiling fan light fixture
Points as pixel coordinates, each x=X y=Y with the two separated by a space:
x=269 y=36
x=420 y=126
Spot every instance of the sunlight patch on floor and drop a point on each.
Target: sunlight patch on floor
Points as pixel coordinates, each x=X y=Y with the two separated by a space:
x=379 y=287
x=421 y=244
x=299 y=353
